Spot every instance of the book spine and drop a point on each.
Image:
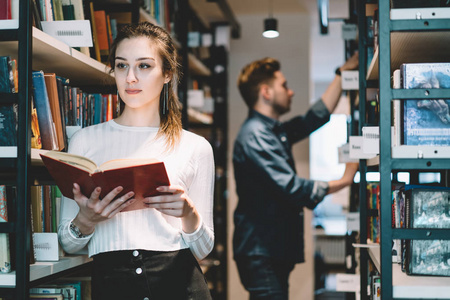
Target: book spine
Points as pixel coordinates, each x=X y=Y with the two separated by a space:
x=8 y=112
x=46 y=127
x=52 y=92
x=5 y=259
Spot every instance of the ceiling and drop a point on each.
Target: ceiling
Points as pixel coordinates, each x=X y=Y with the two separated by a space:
x=210 y=11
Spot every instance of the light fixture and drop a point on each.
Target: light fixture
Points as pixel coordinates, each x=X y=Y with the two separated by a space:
x=270 y=25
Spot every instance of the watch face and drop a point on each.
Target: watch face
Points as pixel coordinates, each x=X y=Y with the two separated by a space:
x=75 y=231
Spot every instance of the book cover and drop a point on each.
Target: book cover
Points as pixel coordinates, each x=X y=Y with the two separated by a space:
x=429 y=208
x=62 y=84
x=68 y=292
x=429 y=257
x=43 y=110
x=426 y=122
x=8 y=112
x=142 y=176
x=37 y=208
x=102 y=33
x=5 y=10
x=53 y=97
x=5 y=259
x=89 y=10
x=47 y=296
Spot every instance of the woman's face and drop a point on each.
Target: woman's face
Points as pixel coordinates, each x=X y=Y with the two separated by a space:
x=138 y=73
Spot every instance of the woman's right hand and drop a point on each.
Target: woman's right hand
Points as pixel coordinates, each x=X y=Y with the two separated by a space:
x=94 y=210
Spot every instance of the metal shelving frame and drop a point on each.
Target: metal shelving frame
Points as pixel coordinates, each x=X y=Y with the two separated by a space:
x=19 y=226
x=388 y=165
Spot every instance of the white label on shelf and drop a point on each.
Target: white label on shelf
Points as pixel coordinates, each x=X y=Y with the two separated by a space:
x=356 y=151
x=45 y=246
x=349 y=31
x=347 y=282
x=371 y=139
x=9 y=24
x=344 y=154
x=350 y=80
x=75 y=33
x=8 y=151
x=352 y=221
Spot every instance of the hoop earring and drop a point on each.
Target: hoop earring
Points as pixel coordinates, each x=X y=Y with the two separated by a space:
x=164 y=100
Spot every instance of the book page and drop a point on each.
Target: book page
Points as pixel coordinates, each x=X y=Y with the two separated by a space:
x=77 y=161
x=123 y=163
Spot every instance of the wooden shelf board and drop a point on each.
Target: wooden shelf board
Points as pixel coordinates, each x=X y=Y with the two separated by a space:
x=52 y=55
x=42 y=269
x=413 y=287
x=413 y=47
x=197 y=67
x=208 y=12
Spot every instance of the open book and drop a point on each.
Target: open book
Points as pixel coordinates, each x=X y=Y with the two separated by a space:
x=142 y=176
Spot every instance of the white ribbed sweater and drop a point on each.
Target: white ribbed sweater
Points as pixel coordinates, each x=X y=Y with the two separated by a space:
x=190 y=164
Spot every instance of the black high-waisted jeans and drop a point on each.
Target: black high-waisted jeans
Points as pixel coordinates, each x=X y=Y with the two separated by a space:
x=149 y=275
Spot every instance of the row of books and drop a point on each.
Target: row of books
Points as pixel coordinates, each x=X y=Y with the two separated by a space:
x=63 y=289
x=373 y=203
x=422 y=122
x=420 y=128
x=45 y=208
x=103 y=25
x=5 y=260
x=57 y=108
x=420 y=206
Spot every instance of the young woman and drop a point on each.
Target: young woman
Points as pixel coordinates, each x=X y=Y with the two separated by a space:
x=149 y=253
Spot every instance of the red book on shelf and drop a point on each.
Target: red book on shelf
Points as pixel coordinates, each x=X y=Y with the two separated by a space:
x=142 y=176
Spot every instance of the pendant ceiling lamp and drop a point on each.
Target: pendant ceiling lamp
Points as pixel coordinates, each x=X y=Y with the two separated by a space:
x=270 y=25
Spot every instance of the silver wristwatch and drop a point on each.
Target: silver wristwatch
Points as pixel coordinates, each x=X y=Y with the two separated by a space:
x=76 y=231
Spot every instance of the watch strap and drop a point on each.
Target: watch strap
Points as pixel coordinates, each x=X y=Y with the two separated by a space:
x=76 y=231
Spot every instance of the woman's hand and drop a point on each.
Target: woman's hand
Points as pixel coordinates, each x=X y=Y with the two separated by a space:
x=175 y=202
x=94 y=210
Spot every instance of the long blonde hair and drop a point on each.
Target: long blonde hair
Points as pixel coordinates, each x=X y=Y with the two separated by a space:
x=170 y=125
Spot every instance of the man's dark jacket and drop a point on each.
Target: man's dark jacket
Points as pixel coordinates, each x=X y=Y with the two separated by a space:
x=269 y=216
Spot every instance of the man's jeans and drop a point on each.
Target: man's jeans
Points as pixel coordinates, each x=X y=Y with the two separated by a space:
x=265 y=277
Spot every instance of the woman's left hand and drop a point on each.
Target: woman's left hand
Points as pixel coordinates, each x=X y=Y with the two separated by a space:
x=175 y=203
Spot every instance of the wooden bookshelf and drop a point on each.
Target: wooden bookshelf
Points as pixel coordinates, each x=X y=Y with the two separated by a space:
x=43 y=269
x=413 y=287
x=52 y=55
x=428 y=46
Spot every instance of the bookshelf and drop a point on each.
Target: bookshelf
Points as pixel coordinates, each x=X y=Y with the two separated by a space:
x=400 y=41
x=52 y=54
x=413 y=287
x=41 y=270
x=36 y=50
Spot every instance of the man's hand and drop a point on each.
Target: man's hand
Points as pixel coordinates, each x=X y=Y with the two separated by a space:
x=352 y=63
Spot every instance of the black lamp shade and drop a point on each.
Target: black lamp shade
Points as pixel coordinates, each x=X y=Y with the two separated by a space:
x=270 y=28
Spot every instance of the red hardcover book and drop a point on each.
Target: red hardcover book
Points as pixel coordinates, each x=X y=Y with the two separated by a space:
x=142 y=176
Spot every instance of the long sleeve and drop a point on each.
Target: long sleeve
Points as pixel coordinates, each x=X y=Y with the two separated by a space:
x=201 y=191
x=69 y=210
x=190 y=164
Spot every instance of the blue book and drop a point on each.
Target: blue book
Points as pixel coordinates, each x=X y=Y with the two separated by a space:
x=426 y=122
x=97 y=108
x=8 y=112
x=44 y=114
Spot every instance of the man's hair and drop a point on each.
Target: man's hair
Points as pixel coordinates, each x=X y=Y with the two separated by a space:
x=253 y=75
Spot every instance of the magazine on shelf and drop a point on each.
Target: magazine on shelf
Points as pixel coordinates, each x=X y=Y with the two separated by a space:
x=426 y=122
